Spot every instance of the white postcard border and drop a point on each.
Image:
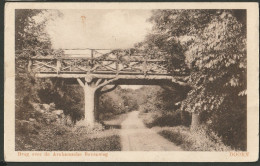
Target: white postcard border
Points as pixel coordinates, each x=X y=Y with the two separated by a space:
x=177 y=156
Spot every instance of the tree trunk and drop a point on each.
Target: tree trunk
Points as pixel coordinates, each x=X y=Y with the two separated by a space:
x=195 y=121
x=97 y=95
x=89 y=105
x=91 y=93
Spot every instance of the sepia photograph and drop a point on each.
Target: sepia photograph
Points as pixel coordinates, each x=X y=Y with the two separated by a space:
x=96 y=82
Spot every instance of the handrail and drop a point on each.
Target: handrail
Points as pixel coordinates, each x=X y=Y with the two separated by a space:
x=88 y=58
x=67 y=49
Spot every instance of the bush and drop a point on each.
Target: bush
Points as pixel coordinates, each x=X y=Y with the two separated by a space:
x=110 y=104
x=26 y=127
x=147 y=118
x=82 y=128
x=56 y=137
x=231 y=123
x=198 y=140
x=165 y=118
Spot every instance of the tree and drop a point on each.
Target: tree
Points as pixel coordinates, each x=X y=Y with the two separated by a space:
x=30 y=28
x=212 y=43
x=30 y=35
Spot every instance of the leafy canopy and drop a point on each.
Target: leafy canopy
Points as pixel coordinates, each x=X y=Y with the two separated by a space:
x=212 y=44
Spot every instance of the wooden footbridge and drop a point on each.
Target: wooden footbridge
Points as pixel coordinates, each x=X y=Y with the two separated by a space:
x=95 y=68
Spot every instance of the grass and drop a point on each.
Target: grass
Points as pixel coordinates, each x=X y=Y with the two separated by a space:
x=197 y=140
x=157 y=118
x=55 y=137
x=169 y=126
x=70 y=143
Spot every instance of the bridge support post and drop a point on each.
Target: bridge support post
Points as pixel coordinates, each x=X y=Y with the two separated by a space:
x=96 y=100
x=89 y=94
x=90 y=91
x=89 y=99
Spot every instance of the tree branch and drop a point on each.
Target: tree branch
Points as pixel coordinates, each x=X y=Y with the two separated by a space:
x=80 y=82
x=109 y=90
x=179 y=82
x=168 y=88
x=107 y=82
x=98 y=82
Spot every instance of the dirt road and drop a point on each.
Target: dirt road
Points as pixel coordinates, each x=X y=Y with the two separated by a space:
x=136 y=137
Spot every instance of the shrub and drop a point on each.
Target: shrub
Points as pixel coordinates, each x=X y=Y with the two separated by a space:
x=25 y=127
x=169 y=119
x=147 y=118
x=165 y=118
x=56 y=137
x=198 y=140
x=82 y=128
x=110 y=104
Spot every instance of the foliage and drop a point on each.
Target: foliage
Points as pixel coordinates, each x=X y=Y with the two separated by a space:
x=176 y=118
x=212 y=43
x=215 y=45
x=66 y=97
x=117 y=102
x=130 y=98
x=30 y=28
x=115 y=121
x=29 y=34
x=218 y=59
x=56 y=137
x=159 y=106
x=110 y=104
x=165 y=98
x=45 y=132
x=194 y=141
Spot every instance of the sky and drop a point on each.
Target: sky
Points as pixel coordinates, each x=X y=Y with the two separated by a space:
x=99 y=29
x=110 y=29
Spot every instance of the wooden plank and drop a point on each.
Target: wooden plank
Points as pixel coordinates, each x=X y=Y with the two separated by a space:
x=108 y=76
x=96 y=59
x=105 y=72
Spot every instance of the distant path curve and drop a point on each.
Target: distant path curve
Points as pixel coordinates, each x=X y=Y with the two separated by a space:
x=135 y=136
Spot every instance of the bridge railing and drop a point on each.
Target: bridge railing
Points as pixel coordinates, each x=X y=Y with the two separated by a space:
x=91 y=65
x=96 y=61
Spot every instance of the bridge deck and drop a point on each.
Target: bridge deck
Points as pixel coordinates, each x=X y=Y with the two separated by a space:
x=104 y=75
x=125 y=66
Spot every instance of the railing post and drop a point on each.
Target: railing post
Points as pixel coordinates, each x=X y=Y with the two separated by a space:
x=92 y=58
x=145 y=66
x=117 y=65
x=30 y=65
x=58 y=67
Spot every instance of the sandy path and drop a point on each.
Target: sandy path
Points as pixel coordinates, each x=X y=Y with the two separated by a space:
x=136 y=137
